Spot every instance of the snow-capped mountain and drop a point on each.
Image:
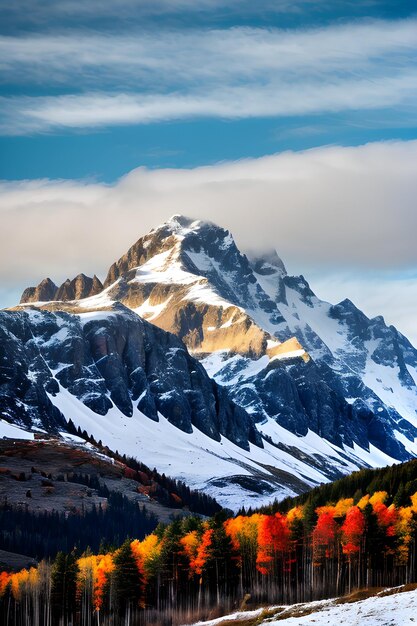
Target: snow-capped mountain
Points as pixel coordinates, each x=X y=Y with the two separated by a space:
x=327 y=387
x=189 y=278
x=137 y=389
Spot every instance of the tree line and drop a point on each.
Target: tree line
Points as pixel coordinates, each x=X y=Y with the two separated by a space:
x=180 y=570
x=43 y=534
x=399 y=479
x=166 y=490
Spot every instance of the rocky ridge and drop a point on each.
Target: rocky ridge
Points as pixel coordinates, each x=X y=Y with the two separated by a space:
x=327 y=388
x=81 y=286
x=190 y=278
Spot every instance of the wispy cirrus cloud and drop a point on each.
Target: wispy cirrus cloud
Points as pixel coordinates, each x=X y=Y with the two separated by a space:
x=188 y=56
x=21 y=115
x=232 y=73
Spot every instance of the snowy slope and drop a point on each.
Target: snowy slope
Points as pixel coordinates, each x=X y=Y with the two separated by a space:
x=10 y=431
x=389 y=608
x=220 y=468
x=372 y=363
x=330 y=389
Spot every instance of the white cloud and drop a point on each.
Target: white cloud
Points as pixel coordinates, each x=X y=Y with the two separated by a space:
x=216 y=54
x=27 y=115
x=231 y=73
x=333 y=214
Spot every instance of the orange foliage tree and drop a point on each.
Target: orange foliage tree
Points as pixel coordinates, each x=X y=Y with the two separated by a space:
x=273 y=541
x=147 y=554
x=103 y=570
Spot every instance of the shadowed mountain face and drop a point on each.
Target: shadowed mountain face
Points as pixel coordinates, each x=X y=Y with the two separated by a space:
x=191 y=279
x=329 y=388
x=115 y=359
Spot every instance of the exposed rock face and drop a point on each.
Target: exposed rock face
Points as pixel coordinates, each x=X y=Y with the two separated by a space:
x=112 y=359
x=81 y=286
x=301 y=369
x=190 y=278
x=44 y=292
x=304 y=397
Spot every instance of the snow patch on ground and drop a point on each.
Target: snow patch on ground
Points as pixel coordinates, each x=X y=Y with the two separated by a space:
x=101 y=300
x=396 y=609
x=201 y=292
x=161 y=268
x=291 y=354
x=95 y=315
x=151 y=311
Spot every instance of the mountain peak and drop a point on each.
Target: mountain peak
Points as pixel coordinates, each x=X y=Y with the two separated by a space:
x=176 y=235
x=43 y=292
x=182 y=226
x=179 y=225
x=181 y=220
x=267 y=263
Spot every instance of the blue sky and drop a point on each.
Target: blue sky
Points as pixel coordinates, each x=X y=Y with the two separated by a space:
x=95 y=89
x=92 y=91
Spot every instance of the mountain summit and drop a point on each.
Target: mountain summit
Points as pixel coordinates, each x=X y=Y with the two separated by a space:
x=244 y=355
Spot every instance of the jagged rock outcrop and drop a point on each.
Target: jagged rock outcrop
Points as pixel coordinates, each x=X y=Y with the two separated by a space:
x=116 y=359
x=316 y=379
x=44 y=292
x=81 y=286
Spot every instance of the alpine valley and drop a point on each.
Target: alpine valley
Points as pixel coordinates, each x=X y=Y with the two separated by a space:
x=215 y=368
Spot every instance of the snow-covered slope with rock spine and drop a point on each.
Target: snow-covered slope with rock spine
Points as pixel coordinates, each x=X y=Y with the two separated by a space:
x=202 y=288
x=329 y=389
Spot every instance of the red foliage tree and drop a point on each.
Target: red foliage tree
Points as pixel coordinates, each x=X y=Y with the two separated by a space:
x=387 y=518
x=273 y=540
x=353 y=529
x=325 y=533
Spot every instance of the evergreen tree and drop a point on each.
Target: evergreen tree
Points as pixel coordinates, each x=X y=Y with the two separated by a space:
x=128 y=582
x=63 y=587
x=222 y=565
x=401 y=498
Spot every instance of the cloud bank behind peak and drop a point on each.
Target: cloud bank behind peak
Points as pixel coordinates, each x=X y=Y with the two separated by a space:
x=343 y=216
x=348 y=207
